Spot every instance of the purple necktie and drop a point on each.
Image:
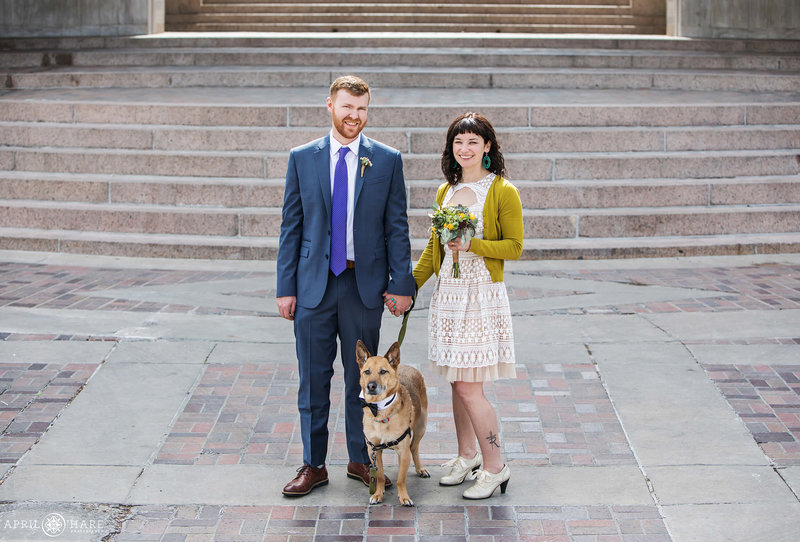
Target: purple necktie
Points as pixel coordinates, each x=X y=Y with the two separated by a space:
x=339 y=215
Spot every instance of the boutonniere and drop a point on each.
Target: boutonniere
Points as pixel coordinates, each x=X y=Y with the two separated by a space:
x=365 y=163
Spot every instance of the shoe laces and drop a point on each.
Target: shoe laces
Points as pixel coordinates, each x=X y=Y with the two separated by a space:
x=457 y=459
x=481 y=475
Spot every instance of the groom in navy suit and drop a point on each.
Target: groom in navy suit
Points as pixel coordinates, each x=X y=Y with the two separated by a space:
x=344 y=244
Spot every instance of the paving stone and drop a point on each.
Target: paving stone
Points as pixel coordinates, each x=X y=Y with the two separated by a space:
x=768 y=400
x=558 y=412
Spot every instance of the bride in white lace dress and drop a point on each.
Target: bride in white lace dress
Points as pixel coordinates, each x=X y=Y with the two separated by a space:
x=471 y=339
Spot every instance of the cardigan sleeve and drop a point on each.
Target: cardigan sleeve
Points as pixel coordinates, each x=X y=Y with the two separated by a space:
x=509 y=219
x=431 y=259
x=424 y=268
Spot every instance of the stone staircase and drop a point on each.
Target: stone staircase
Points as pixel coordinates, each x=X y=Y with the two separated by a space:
x=176 y=146
x=553 y=16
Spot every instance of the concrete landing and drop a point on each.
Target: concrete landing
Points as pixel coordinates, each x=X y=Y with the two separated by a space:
x=148 y=399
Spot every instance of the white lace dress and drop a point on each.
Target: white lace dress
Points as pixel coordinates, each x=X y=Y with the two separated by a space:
x=471 y=339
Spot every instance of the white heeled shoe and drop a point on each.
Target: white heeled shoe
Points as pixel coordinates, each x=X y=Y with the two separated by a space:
x=460 y=467
x=487 y=483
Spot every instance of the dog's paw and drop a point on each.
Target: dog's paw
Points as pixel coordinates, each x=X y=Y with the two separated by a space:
x=376 y=499
x=424 y=474
x=407 y=502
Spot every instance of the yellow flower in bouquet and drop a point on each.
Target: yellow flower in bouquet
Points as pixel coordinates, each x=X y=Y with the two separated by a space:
x=451 y=222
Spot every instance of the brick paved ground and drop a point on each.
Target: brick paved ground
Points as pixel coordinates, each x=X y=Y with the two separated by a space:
x=63 y=287
x=32 y=395
x=553 y=414
x=395 y=524
x=756 y=287
x=767 y=399
x=557 y=414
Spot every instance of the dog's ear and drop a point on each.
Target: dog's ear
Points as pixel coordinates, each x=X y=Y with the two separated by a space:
x=361 y=353
x=393 y=355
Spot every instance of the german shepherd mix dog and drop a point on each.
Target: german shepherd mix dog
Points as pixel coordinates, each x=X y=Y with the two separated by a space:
x=395 y=414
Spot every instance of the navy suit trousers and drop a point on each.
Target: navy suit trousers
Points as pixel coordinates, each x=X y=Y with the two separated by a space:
x=340 y=313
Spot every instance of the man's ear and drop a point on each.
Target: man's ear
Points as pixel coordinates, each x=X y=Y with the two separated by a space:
x=393 y=355
x=361 y=353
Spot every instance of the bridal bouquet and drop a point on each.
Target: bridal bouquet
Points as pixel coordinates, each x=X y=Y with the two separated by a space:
x=451 y=222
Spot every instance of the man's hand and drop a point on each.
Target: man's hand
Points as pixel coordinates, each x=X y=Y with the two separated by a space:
x=286 y=306
x=397 y=304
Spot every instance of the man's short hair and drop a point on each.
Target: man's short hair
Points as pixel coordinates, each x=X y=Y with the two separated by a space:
x=352 y=84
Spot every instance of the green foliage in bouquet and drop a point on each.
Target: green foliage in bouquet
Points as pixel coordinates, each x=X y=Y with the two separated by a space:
x=450 y=222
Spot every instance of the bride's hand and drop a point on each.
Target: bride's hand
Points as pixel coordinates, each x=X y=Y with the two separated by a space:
x=456 y=244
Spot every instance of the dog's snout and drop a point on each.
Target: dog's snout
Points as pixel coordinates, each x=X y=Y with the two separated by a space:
x=372 y=386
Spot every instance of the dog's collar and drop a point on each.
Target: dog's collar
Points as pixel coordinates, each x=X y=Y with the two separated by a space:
x=380 y=405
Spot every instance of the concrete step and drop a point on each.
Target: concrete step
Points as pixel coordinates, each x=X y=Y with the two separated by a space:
x=172 y=138
x=143 y=189
x=161 y=113
x=643 y=165
x=518 y=17
x=361 y=11
x=423 y=56
x=404 y=77
x=157 y=107
x=238 y=193
x=560 y=3
x=678 y=221
x=644 y=222
x=163 y=165
x=394 y=17
x=616 y=139
x=59 y=51
x=238 y=248
x=520 y=166
x=154 y=219
x=660 y=247
x=33 y=59
x=265 y=221
x=139 y=245
x=615 y=27
x=440 y=8
x=137 y=162
x=637 y=193
x=407 y=140
x=687 y=165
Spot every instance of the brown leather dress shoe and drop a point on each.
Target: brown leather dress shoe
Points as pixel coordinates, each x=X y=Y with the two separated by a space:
x=360 y=471
x=307 y=478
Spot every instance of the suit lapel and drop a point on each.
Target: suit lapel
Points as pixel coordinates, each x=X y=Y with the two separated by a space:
x=365 y=150
x=322 y=159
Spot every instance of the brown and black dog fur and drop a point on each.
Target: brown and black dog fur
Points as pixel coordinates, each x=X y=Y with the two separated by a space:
x=382 y=376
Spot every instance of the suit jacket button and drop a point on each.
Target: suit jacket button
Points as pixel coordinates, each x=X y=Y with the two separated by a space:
x=326 y=256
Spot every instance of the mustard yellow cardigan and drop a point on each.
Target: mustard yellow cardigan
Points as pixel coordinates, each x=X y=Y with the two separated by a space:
x=502 y=233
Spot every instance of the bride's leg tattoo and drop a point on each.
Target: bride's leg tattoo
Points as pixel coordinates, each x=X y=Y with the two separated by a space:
x=492 y=438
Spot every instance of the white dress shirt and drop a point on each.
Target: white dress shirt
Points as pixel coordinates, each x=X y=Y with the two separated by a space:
x=352 y=169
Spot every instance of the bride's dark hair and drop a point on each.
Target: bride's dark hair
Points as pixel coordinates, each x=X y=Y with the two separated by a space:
x=471 y=123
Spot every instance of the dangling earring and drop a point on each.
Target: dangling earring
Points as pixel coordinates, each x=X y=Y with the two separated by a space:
x=455 y=164
x=487 y=162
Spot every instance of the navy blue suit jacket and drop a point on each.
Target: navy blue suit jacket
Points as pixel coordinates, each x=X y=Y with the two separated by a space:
x=380 y=225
